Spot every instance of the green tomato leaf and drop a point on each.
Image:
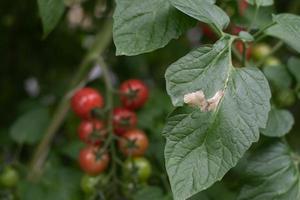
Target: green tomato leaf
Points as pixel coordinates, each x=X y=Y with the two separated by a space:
x=271 y=173
x=142 y=26
x=29 y=127
x=261 y=2
x=294 y=68
x=203 y=10
x=264 y=15
x=202 y=146
x=278 y=76
x=280 y=122
x=287 y=28
x=50 y=11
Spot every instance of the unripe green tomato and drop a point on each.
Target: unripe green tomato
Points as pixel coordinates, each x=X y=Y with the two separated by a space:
x=260 y=51
x=9 y=177
x=142 y=167
x=272 y=61
x=286 y=98
x=88 y=183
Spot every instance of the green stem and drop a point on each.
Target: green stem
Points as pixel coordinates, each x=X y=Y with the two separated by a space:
x=244 y=54
x=261 y=31
x=237 y=53
x=103 y=39
x=216 y=30
x=109 y=104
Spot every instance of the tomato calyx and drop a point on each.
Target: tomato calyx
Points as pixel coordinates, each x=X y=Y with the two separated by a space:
x=131 y=144
x=97 y=135
x=123 y=120
x=131 y=94
x=99 y=113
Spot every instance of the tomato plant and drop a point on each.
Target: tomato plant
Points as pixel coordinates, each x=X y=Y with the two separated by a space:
x=139 y=99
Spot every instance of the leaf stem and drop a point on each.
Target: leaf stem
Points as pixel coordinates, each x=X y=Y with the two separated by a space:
x=102 y=40
x=244 y=54
x=261 y=31
x=237 y=53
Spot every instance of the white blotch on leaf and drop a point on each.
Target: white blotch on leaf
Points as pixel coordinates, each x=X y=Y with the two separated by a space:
x=198 y=99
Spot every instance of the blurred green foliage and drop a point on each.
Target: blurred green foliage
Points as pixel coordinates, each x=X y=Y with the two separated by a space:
x=25 y=55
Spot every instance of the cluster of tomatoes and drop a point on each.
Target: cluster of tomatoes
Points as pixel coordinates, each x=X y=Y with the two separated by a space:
x=94 y=131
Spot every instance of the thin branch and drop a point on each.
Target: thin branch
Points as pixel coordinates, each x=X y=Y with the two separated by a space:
x=103 y=39
x=109 y=104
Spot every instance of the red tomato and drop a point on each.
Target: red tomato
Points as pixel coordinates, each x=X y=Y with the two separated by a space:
x=89 y=162
x=85 y=100
x=235 y=30
x=91 y=131
x=240 y=48
x=208 y=32
x=134 y=143
x=243 y=5
x=123 y=120
x=134 y=94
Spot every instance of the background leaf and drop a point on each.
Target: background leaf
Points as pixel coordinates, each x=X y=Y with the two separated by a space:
x=261 y=2
x=149 y=193
x=287 y=28
x=50 y=11
x=280 y=122
x=202 y=146
x=58 y=182
x=203 y=10
x=30 y=127
x=271 y=173
x=294 y=68
x=278 y=76
x=142 y=26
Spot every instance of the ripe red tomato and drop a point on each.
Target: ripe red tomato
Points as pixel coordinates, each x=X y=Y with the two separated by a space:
x=243 y=5
x=91 y=131
x=134 y=94
x=235 y=30
x=240 y=48
x=208 y=32
x=89 y=162
x=134 y=143
x=123 y=120
x=85 y=100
